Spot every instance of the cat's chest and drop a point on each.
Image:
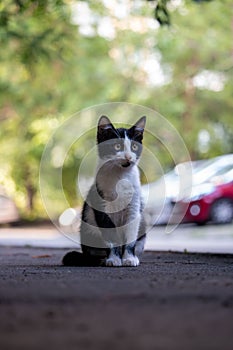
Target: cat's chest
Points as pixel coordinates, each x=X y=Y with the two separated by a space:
x=119 y=197
x=120 y=194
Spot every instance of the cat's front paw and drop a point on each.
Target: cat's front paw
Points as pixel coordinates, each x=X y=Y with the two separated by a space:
x=130 y=261
x=113 y=262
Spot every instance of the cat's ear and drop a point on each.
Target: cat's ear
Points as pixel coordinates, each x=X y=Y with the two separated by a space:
x=104 y=124
x=136 y=131
x=106 y=130
x=140 y=125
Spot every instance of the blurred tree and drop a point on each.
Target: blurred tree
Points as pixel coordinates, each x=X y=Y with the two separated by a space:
x=50 y=67
x=197 y=53
x=36 y=39
x=48 y=70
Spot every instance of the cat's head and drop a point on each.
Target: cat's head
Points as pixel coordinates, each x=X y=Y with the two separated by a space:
x=120 y=146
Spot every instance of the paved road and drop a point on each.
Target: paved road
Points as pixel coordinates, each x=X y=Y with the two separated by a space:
x=191 y=238
x=172 y=301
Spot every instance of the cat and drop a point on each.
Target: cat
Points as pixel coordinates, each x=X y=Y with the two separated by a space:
x=112 y=227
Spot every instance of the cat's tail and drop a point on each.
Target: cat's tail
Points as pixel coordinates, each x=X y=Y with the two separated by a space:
x=75 y=258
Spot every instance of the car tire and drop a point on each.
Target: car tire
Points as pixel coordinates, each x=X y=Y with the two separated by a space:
x=201 y=223
x=222 y=211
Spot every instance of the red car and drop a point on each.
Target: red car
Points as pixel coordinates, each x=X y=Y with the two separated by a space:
x=209 y=202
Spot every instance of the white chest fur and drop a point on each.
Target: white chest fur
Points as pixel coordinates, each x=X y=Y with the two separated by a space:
x=121 y=190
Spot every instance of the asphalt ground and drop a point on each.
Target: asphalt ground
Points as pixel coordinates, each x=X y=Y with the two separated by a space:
x=171 y=301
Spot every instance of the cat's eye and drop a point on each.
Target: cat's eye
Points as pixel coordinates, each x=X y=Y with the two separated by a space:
x=117 y=146
x=134 y=147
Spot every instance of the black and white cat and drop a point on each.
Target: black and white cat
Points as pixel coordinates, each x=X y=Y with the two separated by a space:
x=112 y=227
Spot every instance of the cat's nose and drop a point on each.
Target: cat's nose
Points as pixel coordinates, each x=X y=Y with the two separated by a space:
x=128 y=156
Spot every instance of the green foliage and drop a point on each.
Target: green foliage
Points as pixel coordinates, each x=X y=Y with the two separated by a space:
x=49 y=70
x=191 y=47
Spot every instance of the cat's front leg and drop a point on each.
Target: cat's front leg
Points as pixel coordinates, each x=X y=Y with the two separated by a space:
x=130 y=232
x=129 y=258
x=114 y=259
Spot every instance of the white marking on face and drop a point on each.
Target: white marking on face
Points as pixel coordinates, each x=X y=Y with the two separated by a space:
x=127 y=144
x=128 y=154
